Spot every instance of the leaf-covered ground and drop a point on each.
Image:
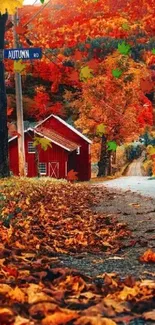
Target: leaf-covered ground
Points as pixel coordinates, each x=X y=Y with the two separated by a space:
x=43 y=221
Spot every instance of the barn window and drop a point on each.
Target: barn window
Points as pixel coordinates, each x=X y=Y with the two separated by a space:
x=43 y=168
x=31 y=148
x=78 y=151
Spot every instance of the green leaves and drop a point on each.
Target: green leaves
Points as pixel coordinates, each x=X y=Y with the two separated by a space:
x=112 y=145
x=153 y=50
x=117 y=73
x=43 y=142
x=42 y=1
x=124 y=48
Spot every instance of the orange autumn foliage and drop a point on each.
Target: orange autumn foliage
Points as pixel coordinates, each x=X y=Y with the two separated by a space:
x=148 y=256
x=117 y=103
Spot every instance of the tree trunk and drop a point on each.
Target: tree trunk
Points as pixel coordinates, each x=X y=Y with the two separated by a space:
x=37 y=161
x=109 y=167
x=102 y=164
x=4 y=164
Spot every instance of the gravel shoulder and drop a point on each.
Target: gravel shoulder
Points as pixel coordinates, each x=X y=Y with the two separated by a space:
x=139 y=213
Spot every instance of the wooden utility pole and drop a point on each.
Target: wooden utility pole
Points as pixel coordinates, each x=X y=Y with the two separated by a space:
x=19 y=106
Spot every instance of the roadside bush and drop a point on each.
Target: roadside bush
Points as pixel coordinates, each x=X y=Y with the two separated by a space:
x=133 y=151
x=120 y=156
x=147 y=166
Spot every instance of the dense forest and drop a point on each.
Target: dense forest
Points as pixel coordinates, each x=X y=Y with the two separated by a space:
x=97 y=70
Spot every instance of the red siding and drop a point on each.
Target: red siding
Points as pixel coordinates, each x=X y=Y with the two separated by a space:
x=83 y=161
x=54 y=154
x=13 y=157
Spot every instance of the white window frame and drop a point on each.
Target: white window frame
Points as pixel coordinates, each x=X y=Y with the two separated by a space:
x=78 y=151
x=30 y=147
x=45 y=165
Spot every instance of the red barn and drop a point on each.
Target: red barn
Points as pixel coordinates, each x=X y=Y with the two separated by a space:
x=70 y=150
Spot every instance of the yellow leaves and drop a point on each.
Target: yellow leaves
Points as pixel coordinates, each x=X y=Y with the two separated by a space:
x=101 y=129
x=117 y=306
x=4 y=288
x=56 y=221
x=151 y=150
x=22 y=321
x=148 y=283
x=10 y=6
x=17 y=295
x=86 y=73
x=153 y=167
x=85 y=320
x=27 y=201
x=62 y=316
x=35 y=294
x=19 y=66
x=128 y=293
x=149 y=315
x=43 y=142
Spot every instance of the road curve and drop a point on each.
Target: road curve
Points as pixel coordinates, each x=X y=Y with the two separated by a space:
x=140 y=184
x=134 y=168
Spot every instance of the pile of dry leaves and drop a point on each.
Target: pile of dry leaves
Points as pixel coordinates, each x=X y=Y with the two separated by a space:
x=39 y=220
x=48 y=217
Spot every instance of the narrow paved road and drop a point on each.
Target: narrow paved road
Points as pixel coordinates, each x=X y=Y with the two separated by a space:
x=139 y=184
x=135 y=168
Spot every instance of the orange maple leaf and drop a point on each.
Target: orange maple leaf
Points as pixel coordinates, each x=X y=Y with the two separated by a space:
x=148 y=256
x=78 y=55
x=9 y=111
x=146 y=85
x=21 y=30
x=93 y=64
x=74 y=76
x=72 y=176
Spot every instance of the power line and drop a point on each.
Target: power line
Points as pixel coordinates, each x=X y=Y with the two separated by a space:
x=10 y=24
x=37 y=13
x=31 y=5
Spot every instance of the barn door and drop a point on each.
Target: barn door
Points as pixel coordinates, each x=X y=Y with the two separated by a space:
x=53 y=169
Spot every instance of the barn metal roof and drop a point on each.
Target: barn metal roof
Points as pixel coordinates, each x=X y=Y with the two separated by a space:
x=66 y=124
x=56 y=138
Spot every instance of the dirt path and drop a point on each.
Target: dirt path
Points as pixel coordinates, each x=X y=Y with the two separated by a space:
x=139 y=213
x=135 y=168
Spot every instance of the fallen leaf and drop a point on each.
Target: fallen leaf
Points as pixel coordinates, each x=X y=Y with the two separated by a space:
x=148 y=257
x=22 y=321
x=6 y=316
x=85 y=320
x=149 y=315
x=60 y=317
x=17 y=295
x=128 y=293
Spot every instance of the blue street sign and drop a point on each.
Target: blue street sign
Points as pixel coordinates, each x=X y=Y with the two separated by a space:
x=23 y=54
